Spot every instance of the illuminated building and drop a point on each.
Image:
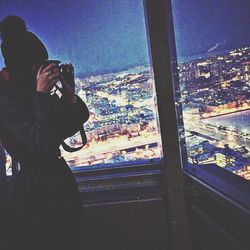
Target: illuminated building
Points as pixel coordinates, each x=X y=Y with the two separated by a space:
x=246 y=72
x=224 y=160
x=244 y=172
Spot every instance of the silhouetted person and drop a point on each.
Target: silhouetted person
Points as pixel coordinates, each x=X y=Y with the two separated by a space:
x=45 y=203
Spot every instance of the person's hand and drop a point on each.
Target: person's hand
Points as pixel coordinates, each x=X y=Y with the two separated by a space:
x=47 y=78
x=68 y=83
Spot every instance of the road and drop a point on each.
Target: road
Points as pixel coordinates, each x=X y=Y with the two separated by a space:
x=220 y=137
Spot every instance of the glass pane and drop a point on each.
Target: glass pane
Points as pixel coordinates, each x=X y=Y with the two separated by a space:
x=213 y=53
x=106 y=42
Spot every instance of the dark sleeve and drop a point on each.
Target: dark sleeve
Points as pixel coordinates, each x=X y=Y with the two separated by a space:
x=72 y=116
x=29 y=129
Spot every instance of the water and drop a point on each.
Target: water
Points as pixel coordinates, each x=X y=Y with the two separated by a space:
x=136 y=70
x=237 y=121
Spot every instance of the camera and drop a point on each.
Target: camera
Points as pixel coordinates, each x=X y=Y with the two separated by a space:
x=66 y=70
x=66 y=74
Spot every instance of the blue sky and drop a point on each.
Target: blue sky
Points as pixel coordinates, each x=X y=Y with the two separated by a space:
x=203 y=26
x=100 y=36
x=95 y=35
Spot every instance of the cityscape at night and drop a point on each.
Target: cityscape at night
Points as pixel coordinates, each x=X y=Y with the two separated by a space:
x=213 y=83
x=215 y=101
x=123 y=122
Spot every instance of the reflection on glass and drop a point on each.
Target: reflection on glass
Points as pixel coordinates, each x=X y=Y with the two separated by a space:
x=214 y=77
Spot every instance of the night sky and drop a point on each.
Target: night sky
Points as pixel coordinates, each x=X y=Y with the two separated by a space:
x=203 y=26
x=97 y=36
x=100 y=36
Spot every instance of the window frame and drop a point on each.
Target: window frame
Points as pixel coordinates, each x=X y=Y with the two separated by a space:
x=134 y=173
x=168 y=172
x=221 y=184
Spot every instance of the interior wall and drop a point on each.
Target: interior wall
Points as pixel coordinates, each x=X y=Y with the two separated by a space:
x=142 y=225
x=134 y=225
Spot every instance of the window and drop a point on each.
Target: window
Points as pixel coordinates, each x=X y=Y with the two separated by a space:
x=213 y=59
x=107 y=43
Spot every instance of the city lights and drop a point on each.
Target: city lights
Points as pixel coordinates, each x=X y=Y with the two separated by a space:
x=123 y=120
x=216 y=110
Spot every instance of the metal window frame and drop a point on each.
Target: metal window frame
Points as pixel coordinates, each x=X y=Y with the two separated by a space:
x=224 y=187
x=162 y=47
x=232 y=190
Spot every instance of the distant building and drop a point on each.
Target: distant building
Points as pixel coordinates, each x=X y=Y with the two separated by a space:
x=244 y=172
x=206 y=153
x=246 y=73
